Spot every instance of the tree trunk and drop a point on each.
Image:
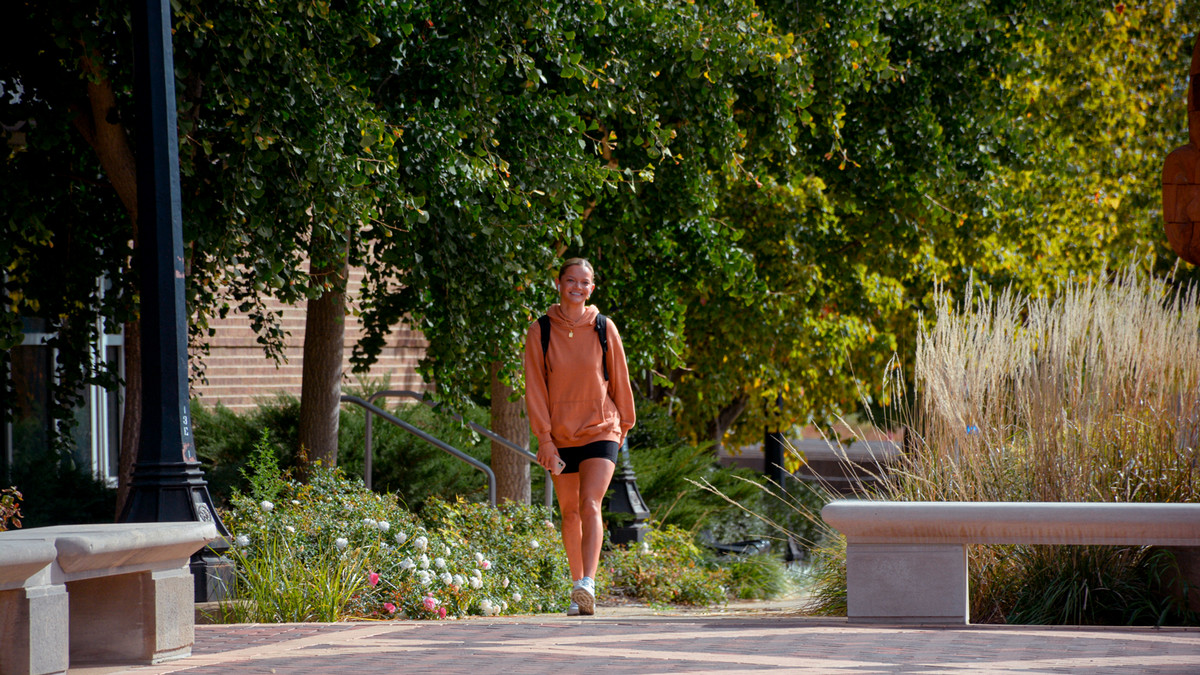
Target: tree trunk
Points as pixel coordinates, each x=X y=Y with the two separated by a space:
x=321 y=385
x=99 y=124
x=724 y=420
x=131 y=419
x=512 y=470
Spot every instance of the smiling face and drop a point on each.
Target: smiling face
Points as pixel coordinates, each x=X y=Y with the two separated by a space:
x=575 y=286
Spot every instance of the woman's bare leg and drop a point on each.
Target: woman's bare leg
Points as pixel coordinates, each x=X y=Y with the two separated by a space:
x=566 y=486
x=594 y=476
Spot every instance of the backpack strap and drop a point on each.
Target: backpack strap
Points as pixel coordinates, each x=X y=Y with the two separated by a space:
x=544 y=323
x=602 y=333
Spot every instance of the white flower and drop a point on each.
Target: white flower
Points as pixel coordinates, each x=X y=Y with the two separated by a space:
x=478 y=557
x=439 y=563
x=516 y=597
x=476 y=582
x=241 y=540
x=341 y=543
x=406 y=564
x=368 y=522
x=267 y=506
x=384 y=545
x=446 y=578
x=420 y=543
x=458 y=579
x=533 y=543
x=445 y=550
x=423 y=561
x=401 y=538
x=383 y=525
x=503 y=605
x=424 y=577
x=485 y=606
x=296 y=502
x=290 y=529
x=477 y=573
x=505 y=582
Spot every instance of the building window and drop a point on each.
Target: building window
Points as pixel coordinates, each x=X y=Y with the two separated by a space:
x=95 y=438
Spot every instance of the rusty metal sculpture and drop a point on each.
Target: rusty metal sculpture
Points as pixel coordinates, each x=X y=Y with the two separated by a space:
x=1181 y=179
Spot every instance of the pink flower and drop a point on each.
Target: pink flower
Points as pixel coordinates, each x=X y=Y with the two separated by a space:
x=441 y=612
x=486 y=564
x=391 y=609
x=373 y=578
x=430 y=602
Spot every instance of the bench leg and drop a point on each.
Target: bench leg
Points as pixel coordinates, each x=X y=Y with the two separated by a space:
x=33 y=623
x=145 y=617
x=907 y=583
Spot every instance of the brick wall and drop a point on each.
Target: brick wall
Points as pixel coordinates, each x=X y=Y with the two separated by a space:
x=239 y=374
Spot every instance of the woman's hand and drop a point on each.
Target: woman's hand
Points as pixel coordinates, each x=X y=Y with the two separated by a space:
x=547 y=456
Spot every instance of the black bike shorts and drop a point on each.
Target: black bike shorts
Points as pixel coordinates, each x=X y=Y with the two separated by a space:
x=573 y=456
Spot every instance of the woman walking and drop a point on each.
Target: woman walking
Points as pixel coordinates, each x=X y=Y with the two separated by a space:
x=580 y=407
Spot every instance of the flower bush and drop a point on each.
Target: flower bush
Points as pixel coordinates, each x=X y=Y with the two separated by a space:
x=331 y=549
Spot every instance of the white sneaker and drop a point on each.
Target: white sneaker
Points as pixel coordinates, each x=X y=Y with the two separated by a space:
x=583 y=593
x=573 y=609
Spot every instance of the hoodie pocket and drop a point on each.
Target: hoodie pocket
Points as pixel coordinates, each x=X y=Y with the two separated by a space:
x=572 y=421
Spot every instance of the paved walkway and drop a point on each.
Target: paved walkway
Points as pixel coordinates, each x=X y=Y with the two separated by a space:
x=742 y=638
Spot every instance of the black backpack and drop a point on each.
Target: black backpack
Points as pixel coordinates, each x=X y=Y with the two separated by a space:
x=601 y=332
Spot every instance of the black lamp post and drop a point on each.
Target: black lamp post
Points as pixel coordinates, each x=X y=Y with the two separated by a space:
x=627 y=499
x=168 y=483
x=773 y=444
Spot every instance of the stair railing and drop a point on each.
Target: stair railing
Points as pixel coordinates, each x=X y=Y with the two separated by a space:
x=372 y=409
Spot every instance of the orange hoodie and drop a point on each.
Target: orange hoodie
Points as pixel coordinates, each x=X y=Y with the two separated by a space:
x=568 y=401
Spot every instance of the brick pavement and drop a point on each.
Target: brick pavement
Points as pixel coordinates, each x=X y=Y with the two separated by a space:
x=648 y=642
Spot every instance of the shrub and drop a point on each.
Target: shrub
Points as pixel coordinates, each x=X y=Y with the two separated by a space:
x=54 y=491
x=410 y=467
x=403 y=463
x=754 y=577
x=225 y=440
x=667 y=568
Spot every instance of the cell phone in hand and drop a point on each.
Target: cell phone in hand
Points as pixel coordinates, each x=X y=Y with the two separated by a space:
x=559 y=465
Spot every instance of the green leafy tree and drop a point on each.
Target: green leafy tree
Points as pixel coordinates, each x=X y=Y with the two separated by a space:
x=1103 y=108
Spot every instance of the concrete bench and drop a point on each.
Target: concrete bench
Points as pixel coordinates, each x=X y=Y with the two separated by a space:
x=906 y=562
x=105 y=593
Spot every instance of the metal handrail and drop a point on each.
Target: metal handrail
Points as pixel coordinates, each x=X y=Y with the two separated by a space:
x=373 y=409
x=548 y=498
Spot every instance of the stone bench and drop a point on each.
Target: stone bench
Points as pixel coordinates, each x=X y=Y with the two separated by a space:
x=906 y=562
x=105 y=593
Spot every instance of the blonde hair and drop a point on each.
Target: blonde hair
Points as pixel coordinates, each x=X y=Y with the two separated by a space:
x=572 y=262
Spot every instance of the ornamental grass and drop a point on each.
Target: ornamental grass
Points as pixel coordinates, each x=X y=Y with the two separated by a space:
x=1090 y=395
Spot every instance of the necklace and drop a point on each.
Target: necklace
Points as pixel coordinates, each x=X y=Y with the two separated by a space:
x=571 y=333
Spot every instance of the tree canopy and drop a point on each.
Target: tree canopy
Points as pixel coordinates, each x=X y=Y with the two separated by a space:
x=769 y=190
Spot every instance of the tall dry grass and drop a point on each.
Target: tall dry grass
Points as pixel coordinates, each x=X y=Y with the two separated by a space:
x=1093 y=395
